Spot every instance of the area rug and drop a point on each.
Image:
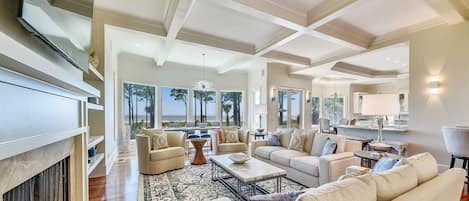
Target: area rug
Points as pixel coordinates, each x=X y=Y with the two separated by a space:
x=195 y=183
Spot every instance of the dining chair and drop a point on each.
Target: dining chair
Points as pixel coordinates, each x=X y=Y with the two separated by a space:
x=324 y=125
x=456 y=140
x=344 y=122
x=353 y=122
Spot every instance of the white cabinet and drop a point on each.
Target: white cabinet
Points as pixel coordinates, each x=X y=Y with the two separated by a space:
x=357 y=102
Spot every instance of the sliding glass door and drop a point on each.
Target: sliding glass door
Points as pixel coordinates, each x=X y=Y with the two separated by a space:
x=289 y=108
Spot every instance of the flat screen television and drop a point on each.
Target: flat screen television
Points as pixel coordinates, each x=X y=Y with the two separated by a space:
x=64 y=25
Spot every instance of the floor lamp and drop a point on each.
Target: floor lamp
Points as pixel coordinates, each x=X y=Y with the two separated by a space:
x=380 y=105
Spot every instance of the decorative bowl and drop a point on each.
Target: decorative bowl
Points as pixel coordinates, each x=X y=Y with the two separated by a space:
x=260 y=130
x=239 y=158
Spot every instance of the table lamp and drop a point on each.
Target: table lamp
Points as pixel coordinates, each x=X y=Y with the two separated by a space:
x=380 y=105
x=260 y=110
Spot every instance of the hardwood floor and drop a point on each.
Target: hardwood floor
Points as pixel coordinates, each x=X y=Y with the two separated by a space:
x=122 y=182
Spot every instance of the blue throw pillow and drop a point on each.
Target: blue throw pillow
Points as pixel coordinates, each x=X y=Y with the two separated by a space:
x=329 y=147
x=384 y=164
x=273 y=140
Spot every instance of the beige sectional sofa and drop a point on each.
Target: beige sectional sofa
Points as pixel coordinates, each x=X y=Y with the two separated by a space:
x=308 y=167
x=416 y=180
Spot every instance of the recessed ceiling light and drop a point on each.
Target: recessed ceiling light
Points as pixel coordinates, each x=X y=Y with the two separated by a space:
x=388 y=58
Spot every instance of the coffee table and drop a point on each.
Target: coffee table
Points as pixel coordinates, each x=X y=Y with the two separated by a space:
x=246 y=175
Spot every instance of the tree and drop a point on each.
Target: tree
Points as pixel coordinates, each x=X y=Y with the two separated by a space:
x=180 y=95
x=226 y=108
x=281 y=99
x=208 y=97
x=128 y=93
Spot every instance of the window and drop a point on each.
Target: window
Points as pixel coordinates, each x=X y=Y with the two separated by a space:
x=205 y=108
x=315 y=110
x=334 y=109
x=139 y=107
x=174 y=107
x=232 y=108
x=289 y=108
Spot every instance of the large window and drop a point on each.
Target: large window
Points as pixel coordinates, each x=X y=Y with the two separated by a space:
x=232 y=108
x=315 y=105
x=139 y=107
x=334 y=109
x=174 y=102
x=289 y=108
x=205 y=108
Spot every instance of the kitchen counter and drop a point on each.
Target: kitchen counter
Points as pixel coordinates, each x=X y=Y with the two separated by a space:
x=401 y=129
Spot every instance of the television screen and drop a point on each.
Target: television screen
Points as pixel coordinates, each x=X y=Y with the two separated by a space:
x=65 y=25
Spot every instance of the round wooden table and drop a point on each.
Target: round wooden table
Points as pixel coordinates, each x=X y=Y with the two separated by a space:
x=199 y=158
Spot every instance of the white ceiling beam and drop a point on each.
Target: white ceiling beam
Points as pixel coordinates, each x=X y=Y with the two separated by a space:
x=281 y=38
x=345 y=34
x=176 y=15
x=362 y=71
x=453 y=11
x=236 y=63
x=328 y=11
x=287 y=58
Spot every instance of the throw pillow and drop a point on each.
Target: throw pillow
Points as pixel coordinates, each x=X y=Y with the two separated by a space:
x=231 y=135
x=297 y=140
x=219 y=136
x=329 y=147
x=273 y=140
x=150 y=133
x=384 y=164
x=160 y=141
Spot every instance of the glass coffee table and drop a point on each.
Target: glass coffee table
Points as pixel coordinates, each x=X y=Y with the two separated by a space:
x=246 y=175
x=370 y=156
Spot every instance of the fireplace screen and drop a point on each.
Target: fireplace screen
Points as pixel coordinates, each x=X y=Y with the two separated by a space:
x=49 y=185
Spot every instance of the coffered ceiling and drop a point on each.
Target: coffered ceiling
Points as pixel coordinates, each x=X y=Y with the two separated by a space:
x=318 y=38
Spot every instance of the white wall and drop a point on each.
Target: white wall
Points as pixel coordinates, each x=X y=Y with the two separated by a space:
x=441 y=51
x=257 y=84
x=143 y=70
x=278 y=77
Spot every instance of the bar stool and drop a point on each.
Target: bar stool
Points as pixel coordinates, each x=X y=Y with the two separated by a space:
x=456 y=140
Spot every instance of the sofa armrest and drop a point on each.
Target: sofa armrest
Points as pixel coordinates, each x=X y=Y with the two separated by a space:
x=257 y=143
x=176 y=138
x=243 y=135
x=143 y=147
x=331 y=167
x=353 y=145
x=214 y=139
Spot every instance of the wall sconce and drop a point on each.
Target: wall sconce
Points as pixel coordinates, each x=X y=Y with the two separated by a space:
x=308 y=96
x=434 y=85
x=273 y=93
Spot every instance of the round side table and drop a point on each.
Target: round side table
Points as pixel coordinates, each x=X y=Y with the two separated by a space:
x=199 y=158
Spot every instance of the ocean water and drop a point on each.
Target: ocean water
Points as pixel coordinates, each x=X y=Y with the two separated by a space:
x=169 y=117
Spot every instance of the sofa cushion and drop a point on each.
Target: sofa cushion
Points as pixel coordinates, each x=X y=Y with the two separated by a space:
x=232 y=147
x=283 y=157
x=167 y=153
x=362 y=189
x=309 y=137
x=226 y=130
x=306 y=164
x=265 y=151
x=384 y=164
x=425 y=165
x=150 y=132
x=285 y=134
x=392 y=183
x=318 y=144
x=231 y=136
x=297 y=140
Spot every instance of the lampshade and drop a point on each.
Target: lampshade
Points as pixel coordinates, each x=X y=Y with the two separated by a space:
x=380 y=104
x=261 y=109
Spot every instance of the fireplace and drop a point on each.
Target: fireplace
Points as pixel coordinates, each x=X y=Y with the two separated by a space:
x=51 y=184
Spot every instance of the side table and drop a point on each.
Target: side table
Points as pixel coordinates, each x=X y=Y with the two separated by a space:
x=370 y=156
x=199 y=158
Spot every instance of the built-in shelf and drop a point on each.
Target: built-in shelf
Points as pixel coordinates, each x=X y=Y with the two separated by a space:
x=95 y=72
x=94 y=140
x=94 y=161
x=93 y=106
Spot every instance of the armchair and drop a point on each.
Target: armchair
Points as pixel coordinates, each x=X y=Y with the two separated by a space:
x=161 y=160
x=221 y=147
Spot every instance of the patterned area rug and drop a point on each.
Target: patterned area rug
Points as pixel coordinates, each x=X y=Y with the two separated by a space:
x=195 y=183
